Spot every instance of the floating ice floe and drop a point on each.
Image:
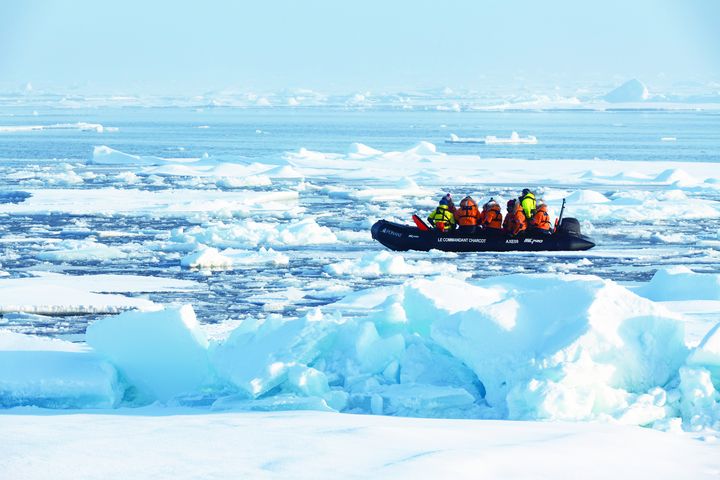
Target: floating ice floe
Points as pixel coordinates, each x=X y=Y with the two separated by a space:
x=104 y=155
x=210 y=258
x=514 y=139
x=51 y=293
x=386 y=263
x=402 y=189
x=681 y=283
x=81 y=250
x=586 y=197
x=176 y=202
x=83 y=126
x=251 y=233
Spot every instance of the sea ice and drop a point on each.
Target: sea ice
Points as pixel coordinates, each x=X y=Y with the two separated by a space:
x=54 y=374
x=161 y=354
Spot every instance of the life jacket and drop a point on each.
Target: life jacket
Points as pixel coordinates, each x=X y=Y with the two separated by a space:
x=492 y=217
x=467 y=214
x=442 y=219
x=515 y=222
x=527 y=202
x=541 y=219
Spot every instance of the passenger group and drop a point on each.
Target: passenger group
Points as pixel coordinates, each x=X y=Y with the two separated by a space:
x=522 y=214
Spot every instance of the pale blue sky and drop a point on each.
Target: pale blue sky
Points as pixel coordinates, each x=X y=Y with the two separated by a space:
x=163 y=46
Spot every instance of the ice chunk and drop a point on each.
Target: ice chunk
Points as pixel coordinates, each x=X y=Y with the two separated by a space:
x=413 y=400
x=51 y=373
x=600 y=342
x=251 y=233
x=700 y=404
x=676 y=176
x=358 y=150
x=105 y=155
x=423 y=148
x=206 y=258
x=80 y=250
x=707 y=354
x=586 y=197
x=375 y=353
x=211 y=258
x=161 y=354
x=257 y=355
x=514 y=139
x=386 y=263
x=681 y=283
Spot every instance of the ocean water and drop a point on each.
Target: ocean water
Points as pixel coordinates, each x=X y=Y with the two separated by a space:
x=263 y=135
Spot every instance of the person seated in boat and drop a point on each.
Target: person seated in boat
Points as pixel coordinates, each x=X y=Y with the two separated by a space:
x=540 y=222
x=527 y=203
x=442 y=218
x=450 y=204
x=515 y=221
x=467 y=216
x=491 y=216
x=510 y=207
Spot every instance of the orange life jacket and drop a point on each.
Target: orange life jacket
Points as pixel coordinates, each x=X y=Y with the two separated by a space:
x=515 y=222
x=492 y=218
x=467 y=214
x=541 y=219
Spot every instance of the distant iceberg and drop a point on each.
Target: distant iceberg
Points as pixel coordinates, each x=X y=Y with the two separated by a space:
x=514 y=139
x=631 y=91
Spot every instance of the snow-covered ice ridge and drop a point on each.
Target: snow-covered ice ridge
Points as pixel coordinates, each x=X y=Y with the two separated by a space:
x=557 y=347
x=631 y=94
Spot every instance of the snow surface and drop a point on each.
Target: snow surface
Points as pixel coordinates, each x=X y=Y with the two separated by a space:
x=156 y=443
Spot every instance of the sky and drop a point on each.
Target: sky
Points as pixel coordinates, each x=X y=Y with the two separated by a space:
x=185 y=47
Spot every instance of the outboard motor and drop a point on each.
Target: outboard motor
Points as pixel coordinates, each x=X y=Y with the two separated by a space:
x=570 y=226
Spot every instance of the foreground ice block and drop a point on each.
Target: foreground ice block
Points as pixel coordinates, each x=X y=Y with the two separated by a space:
x=260 y=354
x=161 y=354
x=551 y=346
x=41 y=372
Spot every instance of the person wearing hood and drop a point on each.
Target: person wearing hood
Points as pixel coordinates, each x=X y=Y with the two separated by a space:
x=540 y=222
x=527 y=203
x=442 y=218
x=515 y=221
x=491 y=217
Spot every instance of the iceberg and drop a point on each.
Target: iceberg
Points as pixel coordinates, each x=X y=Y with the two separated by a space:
x=631 y=91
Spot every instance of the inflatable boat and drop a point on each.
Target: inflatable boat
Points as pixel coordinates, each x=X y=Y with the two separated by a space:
x=566 y=237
